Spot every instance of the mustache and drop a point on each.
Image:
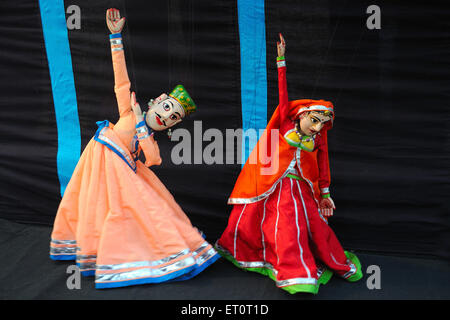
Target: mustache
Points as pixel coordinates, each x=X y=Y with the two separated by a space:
x=164 y=123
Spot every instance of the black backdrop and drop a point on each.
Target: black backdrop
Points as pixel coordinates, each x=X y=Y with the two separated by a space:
x=389 y=148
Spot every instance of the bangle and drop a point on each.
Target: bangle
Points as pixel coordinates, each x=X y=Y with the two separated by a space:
x=143 y=131
x=325 y=192
x=115 y=41
x=281 y=63
x=115 y=35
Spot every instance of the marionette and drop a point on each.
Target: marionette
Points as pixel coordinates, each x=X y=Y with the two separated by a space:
x=279 y=222
x=116 y=219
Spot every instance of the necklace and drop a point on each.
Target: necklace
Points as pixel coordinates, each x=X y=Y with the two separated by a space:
x=300 y=136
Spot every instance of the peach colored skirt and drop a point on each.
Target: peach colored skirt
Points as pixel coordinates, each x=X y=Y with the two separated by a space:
x=125 y=227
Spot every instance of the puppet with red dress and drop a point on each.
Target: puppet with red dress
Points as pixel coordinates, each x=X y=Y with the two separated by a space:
x=278 y=225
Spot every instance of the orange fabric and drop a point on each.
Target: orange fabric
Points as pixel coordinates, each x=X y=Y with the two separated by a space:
x=121 y=216
x=267 y=162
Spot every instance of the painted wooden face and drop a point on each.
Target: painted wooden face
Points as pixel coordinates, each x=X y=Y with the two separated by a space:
x=164 y=114
x=312 y=122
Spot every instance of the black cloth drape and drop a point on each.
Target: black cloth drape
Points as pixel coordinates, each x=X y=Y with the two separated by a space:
x=389 y=148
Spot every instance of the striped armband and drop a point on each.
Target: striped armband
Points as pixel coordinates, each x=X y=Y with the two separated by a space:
x=281 y=62
x=116 y=42
x=325 y=192
x=142 y=131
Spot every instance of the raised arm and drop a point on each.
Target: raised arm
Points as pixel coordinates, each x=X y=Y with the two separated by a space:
x=121 y=81
x=282 y=82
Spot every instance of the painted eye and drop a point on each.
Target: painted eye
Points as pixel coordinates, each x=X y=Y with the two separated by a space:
x=173 y=117
x=166 y=106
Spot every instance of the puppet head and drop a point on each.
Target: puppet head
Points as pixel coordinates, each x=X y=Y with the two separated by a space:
x=168 y=110
x=312 y=116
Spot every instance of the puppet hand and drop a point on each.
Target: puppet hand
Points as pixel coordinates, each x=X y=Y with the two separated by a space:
x=157 y=100
x=327 y=206
x=281 y=46
x=136 y=108
x=113 y=21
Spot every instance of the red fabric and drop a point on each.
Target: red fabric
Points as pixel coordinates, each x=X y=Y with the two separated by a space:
x=275 y=230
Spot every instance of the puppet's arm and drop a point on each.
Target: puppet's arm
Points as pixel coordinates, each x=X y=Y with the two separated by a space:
x=121 y=81
x=145 y=136
x=282 y=82
x=326 y=203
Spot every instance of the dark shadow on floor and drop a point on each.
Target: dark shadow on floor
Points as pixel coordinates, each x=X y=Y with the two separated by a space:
x=26 y=272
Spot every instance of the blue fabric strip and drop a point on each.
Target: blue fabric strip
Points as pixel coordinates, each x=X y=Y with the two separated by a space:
x=252 y=35
x=63 y=88
x=63 y=257
x=198 y=269
x=89 y=273
x=115 y=35
x=86 y=273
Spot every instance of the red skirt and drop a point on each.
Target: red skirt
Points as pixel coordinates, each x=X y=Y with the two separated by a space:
x=285 y=237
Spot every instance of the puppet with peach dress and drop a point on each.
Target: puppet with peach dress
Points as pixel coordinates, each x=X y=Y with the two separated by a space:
x=116 y=219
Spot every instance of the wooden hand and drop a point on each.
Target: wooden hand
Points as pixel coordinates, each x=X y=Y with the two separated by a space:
x=113 y=21
x=281 y=46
